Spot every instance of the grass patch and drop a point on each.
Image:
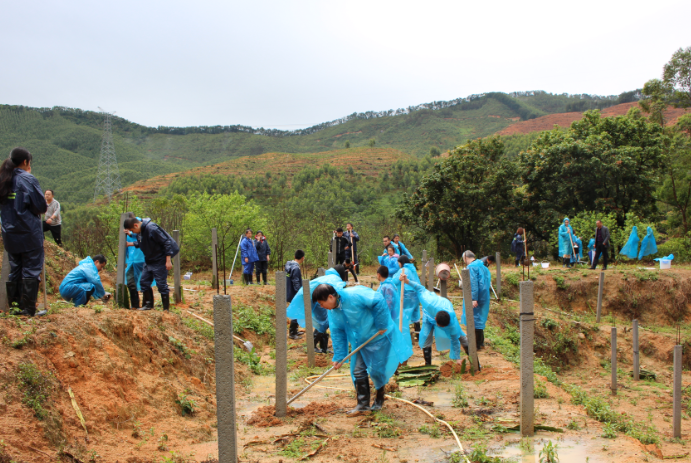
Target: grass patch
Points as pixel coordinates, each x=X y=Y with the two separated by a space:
x=37 y=387
x=260 y=320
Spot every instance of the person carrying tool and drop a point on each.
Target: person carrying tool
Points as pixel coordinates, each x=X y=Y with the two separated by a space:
x=390 y=260
x=439 y=323
x=158 y=248
x=83 y=282
x=411 y=303
x=401 y=250
x=293 y=286
x=248 y=254
x=480 y=283
x=339 y=246
x=566 y=237
x=355 y=315
x=351 y=252
x=21 y=205
x=263 y=254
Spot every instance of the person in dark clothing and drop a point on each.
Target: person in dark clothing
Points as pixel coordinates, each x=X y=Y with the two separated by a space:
x=293 y=285
x=339 y=246
x=601 y=245
x=351 y=253
x=159 y=248
x=261 y=267
x=517 y=246
x=53 y=222
x=344 y=268
x=248 y=254
x=487 y=260
x=21 y=205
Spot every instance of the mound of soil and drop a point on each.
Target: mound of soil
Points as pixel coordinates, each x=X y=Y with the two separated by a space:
x=265 y=416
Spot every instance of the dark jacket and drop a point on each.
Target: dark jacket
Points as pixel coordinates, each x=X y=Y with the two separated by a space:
x=263 y=250
x=338 y=246
x=353 y=251
x=343 y=271
x=155 y=243
x=22 y=228
x=605 y=235
x=293 y=279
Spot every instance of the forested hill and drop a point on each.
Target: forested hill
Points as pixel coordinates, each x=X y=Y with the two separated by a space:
x=66 y=142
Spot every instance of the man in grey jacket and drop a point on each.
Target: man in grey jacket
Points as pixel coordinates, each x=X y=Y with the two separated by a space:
x=601 y=245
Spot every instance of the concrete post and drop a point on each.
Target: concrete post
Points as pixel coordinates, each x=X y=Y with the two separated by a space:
x=331 y=260
x=225 y=380
x=281 y=346
x=309 y=330
x=321 y=272
x=497 y=260
x=4 y=278
x=469 y=319
x=442 y=286
x=676 y=420
x=177 y=294
x=423 y=276
x=614 y=360
x=214 y=264
x=599 y=296
x=121 y=292
x=636 y=355
x=527 y=378
x=430 y=274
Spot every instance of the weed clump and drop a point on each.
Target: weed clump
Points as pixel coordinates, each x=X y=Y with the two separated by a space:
x=187 y=405
x=37 y=387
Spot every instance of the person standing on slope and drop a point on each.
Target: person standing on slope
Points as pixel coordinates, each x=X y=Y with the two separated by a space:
x=248 y=254
x=264 y=255
x=351 y=252
x=480 y=282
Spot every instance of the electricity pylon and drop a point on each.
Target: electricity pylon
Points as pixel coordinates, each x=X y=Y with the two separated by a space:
x=108 y=178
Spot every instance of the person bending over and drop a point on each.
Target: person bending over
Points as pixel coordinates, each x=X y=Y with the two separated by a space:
x=344 y=268
x=84 y=283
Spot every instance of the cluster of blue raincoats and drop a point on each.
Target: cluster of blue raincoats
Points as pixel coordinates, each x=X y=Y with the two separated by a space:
x=401 y=250
x=565 y=246
x=411 y=303
x=447 y=338
x=390 y=262
x=630 y=249
x=480 y=282
x=79 y=281
x=648 y=245
x=392 y=296
x=135 y=260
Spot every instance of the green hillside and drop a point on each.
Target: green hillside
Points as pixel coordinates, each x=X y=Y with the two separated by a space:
x=66 y=142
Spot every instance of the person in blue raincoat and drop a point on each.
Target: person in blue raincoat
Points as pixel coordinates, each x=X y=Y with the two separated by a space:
x=248 y=254
x=648 y=245
x=411 y=303
x=392 y=295
x=134 y=259
x=566 y=236
x=480 y=282
x=591 y=250
x=402 y=250
x=356 y=314
x=439 y=323
x=390 y=260
x=630 y=249
x=578 y=247
x=83 y=282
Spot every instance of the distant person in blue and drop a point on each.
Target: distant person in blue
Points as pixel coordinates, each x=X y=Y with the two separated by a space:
x=355 y=315
x=264 y=256
x=351 y=252
x=591 y=250
x=578 y=249
x=566 y=237
x=439 y=322
x=248 y=254
x=390 y=260
x=293 y=286
x=648 y=245
x=158 y=248
x=601 y=245
x=480 y=282
x=402 y=250
x=83 y=283
x=411 y=303
x=21 y=205
x=630 y=249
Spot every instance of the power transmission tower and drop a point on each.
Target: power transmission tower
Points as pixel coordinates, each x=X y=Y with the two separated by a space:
x=108 y=178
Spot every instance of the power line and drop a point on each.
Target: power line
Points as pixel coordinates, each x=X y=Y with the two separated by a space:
x=108 y=177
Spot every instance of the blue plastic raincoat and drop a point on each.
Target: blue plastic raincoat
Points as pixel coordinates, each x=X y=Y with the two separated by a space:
x=249 y=251
x=579 y=243
x=362 y=312
x=135 y=260
x=630 y=249
x=648 y=245
x=591 y=249
x=392 y=296
x=480 y=281
x=402 y=250
x=79 y=281
x=390 y=262
x=447 y=338
x=411 y=303
x=565 y=248
x=296 y=309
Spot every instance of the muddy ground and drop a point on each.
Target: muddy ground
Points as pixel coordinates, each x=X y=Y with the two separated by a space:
x=133 y=374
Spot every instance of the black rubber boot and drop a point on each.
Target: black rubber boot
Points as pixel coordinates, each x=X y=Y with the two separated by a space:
x=134 y=298
x=427 y=353
x=165 y=301
x=480 y=339
x=465 y=348
x=147 y=300
x=325 y=344
x=14 y=293
x=265 y=279
x=566 y=262
x=379 y=399
x=27 y=303
x=317 y=342
x=416 y=325
x=362 y=391
x=293 y=331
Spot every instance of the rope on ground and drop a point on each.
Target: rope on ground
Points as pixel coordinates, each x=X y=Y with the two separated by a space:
x=458 y=441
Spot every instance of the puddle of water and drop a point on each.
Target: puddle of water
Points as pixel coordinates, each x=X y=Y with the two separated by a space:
x=568 y=451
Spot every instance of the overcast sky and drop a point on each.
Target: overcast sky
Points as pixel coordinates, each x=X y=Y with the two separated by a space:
x=291 y=64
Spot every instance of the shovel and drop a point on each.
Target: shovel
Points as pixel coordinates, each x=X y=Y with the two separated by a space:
x=248 y=345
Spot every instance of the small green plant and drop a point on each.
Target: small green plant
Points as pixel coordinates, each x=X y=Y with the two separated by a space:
x=179 y=346
x=24 y=340
x=548 y=454
x=93 y=456
x=187 y=406
x=456 y=457
x=460 y=399
x=250 y=359
x=540 y=390
x=433 y=430
x=609 y=431
x=559 y=280
x=98 y=309
x=512 y=279
x=163 y=443
x=479 y=455
x=37 y=387
x=549 y=324
x=573 y=426
x=137 y=430
x=385 y=426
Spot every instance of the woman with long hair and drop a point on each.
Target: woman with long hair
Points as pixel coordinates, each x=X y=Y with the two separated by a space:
x=21 y=205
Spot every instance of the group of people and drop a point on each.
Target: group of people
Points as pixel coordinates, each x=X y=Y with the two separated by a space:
x=255 y=254
x=571 y=246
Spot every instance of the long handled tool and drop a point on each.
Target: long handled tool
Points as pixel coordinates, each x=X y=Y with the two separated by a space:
x=331 y=369
x=235 y=258
x=495 y=293
x=400 y=315
x=573 y=248
x=460 y=278
x=248 y=345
